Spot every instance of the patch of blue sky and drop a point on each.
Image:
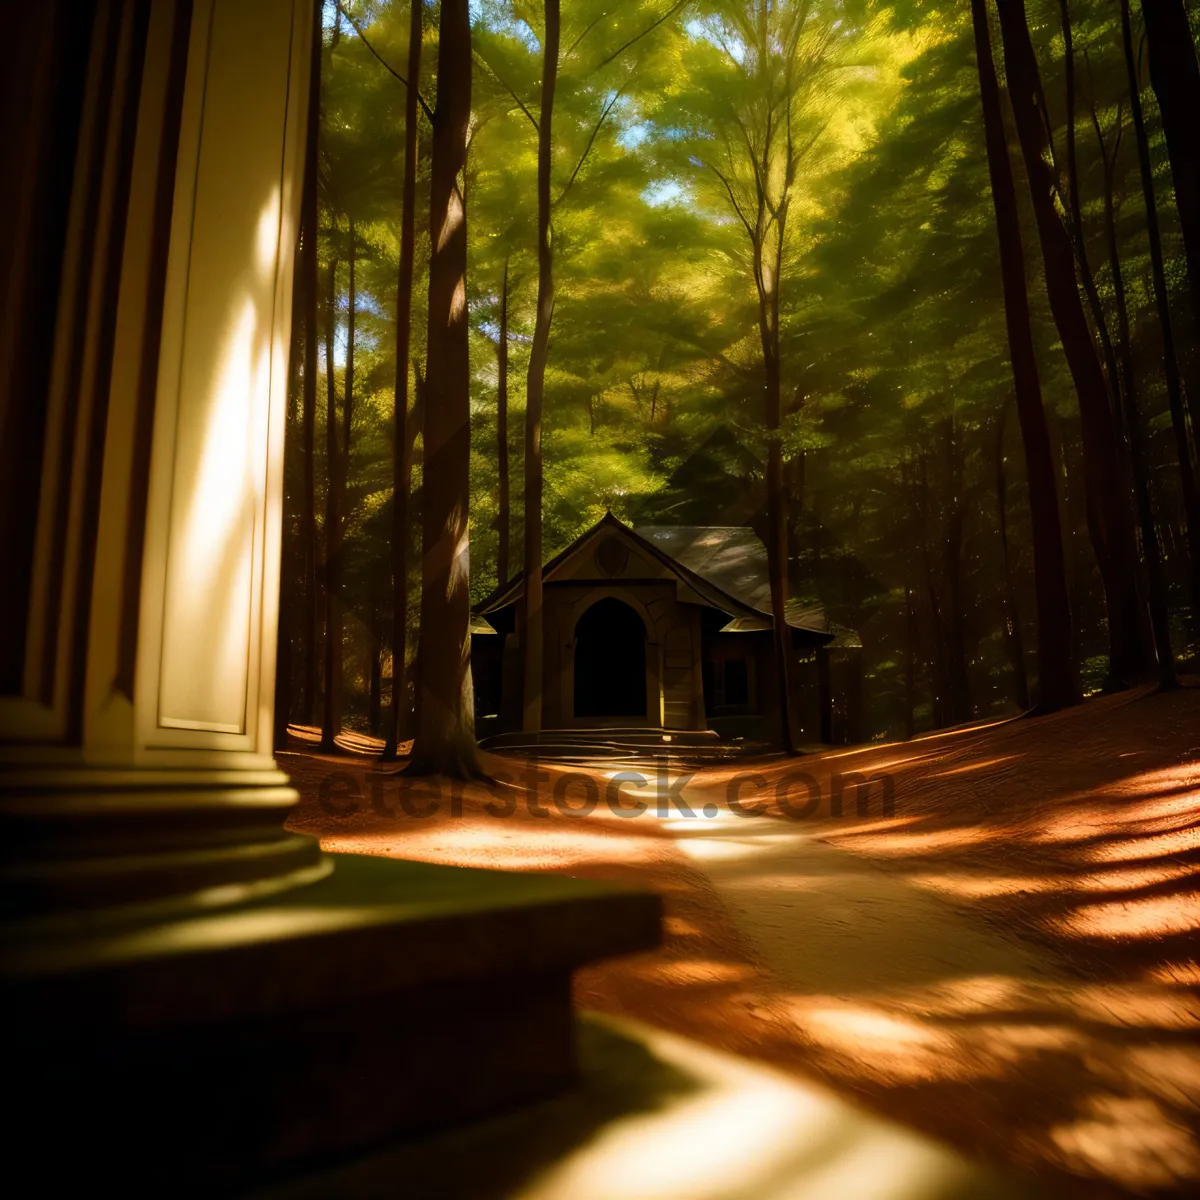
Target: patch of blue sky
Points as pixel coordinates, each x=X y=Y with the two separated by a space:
x=633 y=135
x=525 y=33
x=663 y=192
x=709 y=30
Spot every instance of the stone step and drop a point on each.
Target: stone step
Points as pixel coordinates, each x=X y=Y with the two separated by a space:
x=388 y=999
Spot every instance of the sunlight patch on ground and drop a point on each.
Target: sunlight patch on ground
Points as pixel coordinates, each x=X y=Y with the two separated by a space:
x=1158 y=845
x=746 y=1131
x=1151 y=916
x=982 y=764
x=698 y=971
x=1129 y=1140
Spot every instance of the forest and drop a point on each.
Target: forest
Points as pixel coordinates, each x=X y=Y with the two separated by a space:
x=911 y=288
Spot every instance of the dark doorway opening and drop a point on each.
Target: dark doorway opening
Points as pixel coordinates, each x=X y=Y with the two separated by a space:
x=610 y=661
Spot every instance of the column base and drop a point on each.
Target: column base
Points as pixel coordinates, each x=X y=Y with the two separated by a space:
x=389 y=998
x=122 y=844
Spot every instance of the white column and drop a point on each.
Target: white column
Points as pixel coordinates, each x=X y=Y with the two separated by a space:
x=141 y=734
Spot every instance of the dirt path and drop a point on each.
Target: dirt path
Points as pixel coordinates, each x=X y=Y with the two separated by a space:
x=1007 y=960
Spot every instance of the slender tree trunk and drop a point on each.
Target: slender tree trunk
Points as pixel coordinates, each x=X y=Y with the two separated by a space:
x=777 y=556
x=956 y=608
x=331 y=717
x=1175 y=74
x=1057 y=686
x=336 y=519
x=374 y=684
x=1110 y=519
x=504 y=518
x=399 y=723
x=1159 y=611
x=310 y=285
x=767 y=283
x=348 y=378
x=940 y=688
x=445 y=727
x=911 y=531
x=1074 y=209
x=1013 y=638
x=1191 y=501
x=531 y=718
x=910 y=657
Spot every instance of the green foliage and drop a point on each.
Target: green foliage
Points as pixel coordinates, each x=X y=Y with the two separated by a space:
x=894 y=356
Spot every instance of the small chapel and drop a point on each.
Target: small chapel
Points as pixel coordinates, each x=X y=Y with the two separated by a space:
x=658 y=626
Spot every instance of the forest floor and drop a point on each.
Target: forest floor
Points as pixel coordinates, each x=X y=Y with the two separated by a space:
x=1009 y=960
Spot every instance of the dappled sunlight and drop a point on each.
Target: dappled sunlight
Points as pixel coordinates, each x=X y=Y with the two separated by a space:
x=983 y=764
x=997 y=974
x=1131 y=1141
x=1150 y=916
x=1186 y=974
x=1157 y=846
x=462 y=843
x=906 y=843
x=700 y=971
x=998 y=1030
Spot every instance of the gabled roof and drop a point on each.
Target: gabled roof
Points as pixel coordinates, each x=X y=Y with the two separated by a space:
x=725 y=565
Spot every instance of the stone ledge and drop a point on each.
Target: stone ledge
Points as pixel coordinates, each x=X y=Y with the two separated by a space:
x=389 y=997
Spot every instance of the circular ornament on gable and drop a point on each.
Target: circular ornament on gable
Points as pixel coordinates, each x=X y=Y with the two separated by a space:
x=611 y=557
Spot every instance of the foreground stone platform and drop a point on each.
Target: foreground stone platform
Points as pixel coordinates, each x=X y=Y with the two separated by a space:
x=389 y=997
x=657 y=1117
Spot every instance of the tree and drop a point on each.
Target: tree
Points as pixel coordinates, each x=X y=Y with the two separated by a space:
x=1056 y=681
x=1170 y=357
x=1175 y=74
x=401 y=441
x=331 y=715
x=1109 y=516
x=756 y=122
x=535 y=386
x=444 y=740
x=504 y=517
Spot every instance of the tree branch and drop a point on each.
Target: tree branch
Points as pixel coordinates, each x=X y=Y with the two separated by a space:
x=591 y=142
x=575 y=44
x=737 y=208
x=381 y=60
x=637 y=37
x=505 y=85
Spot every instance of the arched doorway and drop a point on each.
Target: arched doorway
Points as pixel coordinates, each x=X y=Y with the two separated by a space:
x=610 y=661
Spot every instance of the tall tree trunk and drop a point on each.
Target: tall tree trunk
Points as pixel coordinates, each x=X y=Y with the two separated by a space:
x=1191 y=501
x=767 y=282
x=912 y=529
x=331 y=715
x=1057 y=686
x=504 y=517
x=957 y=676
x=1110 y=519
x=444 y=742
x=1075 y=211
x=531 y=604
x=348 y=378
x=1159 y=611
x=399 y=723
x=309 y=287
x=939 y=689
x=1175 y=74
x=1014 y=640
x=374 y=683
x=339 y=473
x=910 y=657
